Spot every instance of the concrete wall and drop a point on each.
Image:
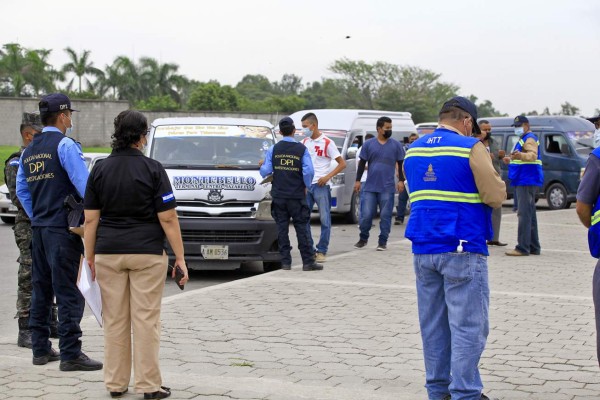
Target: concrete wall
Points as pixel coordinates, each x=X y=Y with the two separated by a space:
x=94 y=122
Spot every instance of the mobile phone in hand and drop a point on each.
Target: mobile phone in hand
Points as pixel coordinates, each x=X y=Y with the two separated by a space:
x=178 y=275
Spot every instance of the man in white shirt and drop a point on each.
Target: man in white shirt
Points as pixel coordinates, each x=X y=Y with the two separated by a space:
x=322 y=150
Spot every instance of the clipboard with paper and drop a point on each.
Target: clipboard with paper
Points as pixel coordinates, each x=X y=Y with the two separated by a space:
x=90 y=290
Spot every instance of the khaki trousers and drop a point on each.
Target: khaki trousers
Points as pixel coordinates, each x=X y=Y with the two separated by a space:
x=131 y=286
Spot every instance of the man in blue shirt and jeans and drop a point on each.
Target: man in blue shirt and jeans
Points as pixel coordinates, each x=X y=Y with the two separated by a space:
x=382 y=155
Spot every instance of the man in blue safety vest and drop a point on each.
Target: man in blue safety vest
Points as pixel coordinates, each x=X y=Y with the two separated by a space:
x=588 y=210
x=453 y=187
x=526 y=175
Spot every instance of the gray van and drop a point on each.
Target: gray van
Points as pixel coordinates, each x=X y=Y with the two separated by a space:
x=565 y=144
x=347 y=129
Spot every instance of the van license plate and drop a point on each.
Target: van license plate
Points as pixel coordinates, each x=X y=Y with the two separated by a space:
x=215 y=252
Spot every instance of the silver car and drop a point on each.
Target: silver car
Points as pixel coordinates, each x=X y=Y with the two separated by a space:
x=8 y=211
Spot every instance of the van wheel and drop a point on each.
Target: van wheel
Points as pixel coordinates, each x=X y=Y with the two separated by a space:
x=556 y=196
x=352 y=216
x=8 y=220
x=271 y=266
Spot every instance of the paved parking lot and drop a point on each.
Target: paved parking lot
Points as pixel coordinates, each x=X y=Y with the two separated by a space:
x=351 y=331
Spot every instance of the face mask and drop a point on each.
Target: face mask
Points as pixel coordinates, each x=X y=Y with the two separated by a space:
x=597 y=138
x=387 y=134
x=307 y=132
x=144 y=146
x=69 y=130
x=519 y=131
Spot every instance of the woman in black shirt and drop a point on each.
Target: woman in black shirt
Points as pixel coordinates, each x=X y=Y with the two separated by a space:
x=129 y=208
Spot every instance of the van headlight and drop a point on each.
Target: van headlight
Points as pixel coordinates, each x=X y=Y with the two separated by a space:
x=339 y=179
x=263 y=213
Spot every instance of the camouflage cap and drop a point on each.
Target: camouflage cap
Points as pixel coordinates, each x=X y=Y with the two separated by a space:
x=32 y=119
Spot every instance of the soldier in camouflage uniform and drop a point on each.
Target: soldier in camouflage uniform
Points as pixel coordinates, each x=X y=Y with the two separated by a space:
x=30 y=125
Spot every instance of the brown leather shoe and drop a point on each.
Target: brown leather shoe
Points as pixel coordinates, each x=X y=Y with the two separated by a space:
x=515 y=253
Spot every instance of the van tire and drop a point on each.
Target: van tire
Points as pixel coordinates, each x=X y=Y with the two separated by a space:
x=352 y=216
x=556 y=196
x=271 y=266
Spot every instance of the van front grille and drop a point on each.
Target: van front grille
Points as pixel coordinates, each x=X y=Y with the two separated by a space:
x=212 y=236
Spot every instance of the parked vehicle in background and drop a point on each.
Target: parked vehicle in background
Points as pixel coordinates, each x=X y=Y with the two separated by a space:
x=224 y=210
x=426 y=127
x=565 y=144
x=346 y=127
x=8 y=211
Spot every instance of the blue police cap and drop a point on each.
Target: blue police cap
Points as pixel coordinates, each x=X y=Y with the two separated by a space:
x=520 y=120
x=55 y=102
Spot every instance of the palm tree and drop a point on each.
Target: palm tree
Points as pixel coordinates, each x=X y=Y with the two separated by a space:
x=80 y=66
x=162 y=79
x=40 y=75
x=13 y=67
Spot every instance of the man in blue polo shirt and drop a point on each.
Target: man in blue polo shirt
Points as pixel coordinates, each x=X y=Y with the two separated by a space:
x=292 y=169
x=52 y=168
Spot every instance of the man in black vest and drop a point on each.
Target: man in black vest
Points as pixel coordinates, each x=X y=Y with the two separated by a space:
x=292 y=169
x=51 y=168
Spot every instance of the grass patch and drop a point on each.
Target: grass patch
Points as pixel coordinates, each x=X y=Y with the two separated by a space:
x=6 y=151
x=242 y=363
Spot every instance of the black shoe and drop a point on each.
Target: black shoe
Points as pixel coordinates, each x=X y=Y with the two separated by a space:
x=81 y=363
x=382 y=247
x=53 y=355
x=159 y=394
x=495 y=243
x=24 y=338
x=537 y=253
x=360 y=244
x=484 y=397
x=114 y=395
x=312 y=267
x=448 y=397
x=286 y=267
x=398 y=222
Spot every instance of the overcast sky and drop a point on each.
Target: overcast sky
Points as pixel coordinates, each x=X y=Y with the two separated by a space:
x=522 y=55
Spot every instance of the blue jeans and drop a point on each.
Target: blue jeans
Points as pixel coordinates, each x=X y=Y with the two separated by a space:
x=453 y=300
x=321 y=195
x=402 y=202
x=528 y=240
x=370 y=201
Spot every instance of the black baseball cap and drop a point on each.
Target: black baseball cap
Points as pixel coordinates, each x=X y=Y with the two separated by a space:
x=520 y=120
x=55 y=102
x=466 y=105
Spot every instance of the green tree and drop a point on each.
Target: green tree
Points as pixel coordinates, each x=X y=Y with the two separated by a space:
x=40 y=75
x=255 y=87
x=289 y=85
x=158 y=103
x=211 y=96
x=128 y=78
x=13 y=69
x=162 y=79
x=486 y=109
x=81 y=67
x=568 y=109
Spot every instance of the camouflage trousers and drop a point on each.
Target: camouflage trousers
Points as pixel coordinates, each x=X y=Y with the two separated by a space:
x=22 y=231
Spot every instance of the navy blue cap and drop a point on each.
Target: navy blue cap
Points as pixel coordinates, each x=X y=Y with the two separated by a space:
x=286 y=121
x=520 y=120
x=593 y=120
x=466 y=105
x=55 y=102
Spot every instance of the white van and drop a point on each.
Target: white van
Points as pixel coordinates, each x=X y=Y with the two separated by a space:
x=224 y=210
x=343 y=127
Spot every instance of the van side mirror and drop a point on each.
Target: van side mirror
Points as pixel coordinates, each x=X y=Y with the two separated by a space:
x=351 y=152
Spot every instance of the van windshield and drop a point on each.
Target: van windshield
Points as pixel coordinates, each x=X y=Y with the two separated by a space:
x=217 y=146
x=583 y=141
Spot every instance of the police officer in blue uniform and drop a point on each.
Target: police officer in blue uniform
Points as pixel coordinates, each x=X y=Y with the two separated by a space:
x=292 y=169
x=453 y=188
x=588 y=210
x=50 y=169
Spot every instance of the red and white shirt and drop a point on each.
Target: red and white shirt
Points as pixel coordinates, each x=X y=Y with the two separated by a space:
x=322 y=150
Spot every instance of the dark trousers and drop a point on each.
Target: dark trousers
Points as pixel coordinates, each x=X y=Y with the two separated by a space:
x=528 y=239
x=56 y=255
x=596 y=294
x=402 y=202
x=296 y=209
